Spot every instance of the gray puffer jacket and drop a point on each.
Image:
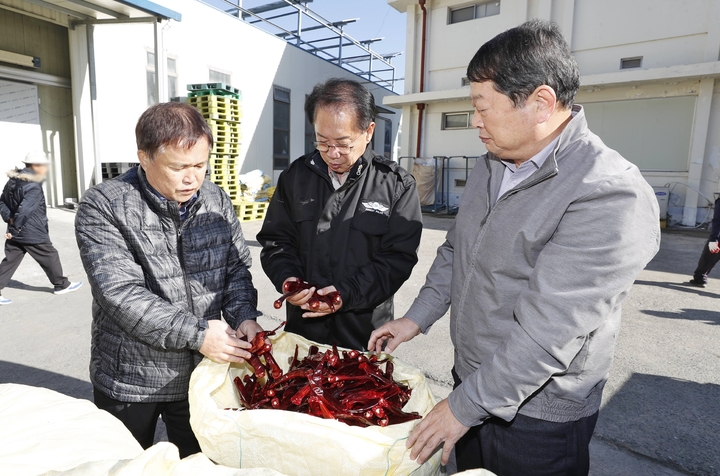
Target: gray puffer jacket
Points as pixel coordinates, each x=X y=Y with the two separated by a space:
x=156 y=281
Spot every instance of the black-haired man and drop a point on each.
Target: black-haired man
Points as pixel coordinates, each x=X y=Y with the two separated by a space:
x=166 y=258
x=343 y=219
x=552 y=230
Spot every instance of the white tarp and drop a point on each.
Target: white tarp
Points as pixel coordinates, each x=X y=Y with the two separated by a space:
x=43 y=432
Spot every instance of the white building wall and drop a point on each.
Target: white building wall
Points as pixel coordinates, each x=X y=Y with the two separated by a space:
x=666 y=33
x=207 y=38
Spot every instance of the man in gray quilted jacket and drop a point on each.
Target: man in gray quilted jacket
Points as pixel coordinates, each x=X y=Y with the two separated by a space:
x=166 y=259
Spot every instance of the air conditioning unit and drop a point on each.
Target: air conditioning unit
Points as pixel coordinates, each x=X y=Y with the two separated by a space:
x=663 y=195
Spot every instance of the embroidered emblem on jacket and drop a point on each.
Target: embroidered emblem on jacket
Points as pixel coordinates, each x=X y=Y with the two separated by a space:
x=376 y=207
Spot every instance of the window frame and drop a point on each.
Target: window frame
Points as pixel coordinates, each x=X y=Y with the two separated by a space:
x=172 y=75
x=150 y=73
x=219 y=71
x=639 y=59
x=280 y=161
x=443 y=124
x=475 y=15
x=309 y=133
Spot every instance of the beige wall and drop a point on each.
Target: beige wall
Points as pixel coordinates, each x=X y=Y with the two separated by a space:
x=668 y=126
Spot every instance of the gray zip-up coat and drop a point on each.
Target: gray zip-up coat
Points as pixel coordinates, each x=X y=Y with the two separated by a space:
x=156 y=281
x=536 y=280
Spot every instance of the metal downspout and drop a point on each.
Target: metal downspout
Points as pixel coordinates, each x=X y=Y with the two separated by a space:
x=421 y=106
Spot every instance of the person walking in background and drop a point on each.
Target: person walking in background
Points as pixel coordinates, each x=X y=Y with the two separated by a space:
x=22 y=206
x=711 y=252
x=343 y=219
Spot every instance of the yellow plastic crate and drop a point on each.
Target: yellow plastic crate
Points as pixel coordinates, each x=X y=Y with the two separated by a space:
x=223 y=126
x=226 y=148
x=215 y=101
x=220 y=114
x=250 y=211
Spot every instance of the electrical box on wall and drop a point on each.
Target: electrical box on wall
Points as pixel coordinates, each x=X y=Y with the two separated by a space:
x=662 y=194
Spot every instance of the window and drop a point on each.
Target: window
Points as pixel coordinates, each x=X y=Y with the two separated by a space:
x=388 y=139
x=465 y=81
x=150 y=79
x=281 y=128
x=309 y=134
x=172 y=78
x=219 y=76
x=456 y=120
x=629 y=63
x=471 y=12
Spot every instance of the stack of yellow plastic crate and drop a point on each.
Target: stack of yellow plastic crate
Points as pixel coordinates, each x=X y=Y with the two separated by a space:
x=220 y=105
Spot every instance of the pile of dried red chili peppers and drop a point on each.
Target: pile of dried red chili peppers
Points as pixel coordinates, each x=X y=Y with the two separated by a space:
x=290 y=288
x=346 y=386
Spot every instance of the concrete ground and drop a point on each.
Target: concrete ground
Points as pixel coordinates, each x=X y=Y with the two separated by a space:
x=661 y=412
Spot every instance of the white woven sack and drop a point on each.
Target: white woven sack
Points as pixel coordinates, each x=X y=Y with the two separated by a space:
x=296 y=444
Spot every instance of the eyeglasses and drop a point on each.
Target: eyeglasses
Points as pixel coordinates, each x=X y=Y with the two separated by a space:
x=343 y=149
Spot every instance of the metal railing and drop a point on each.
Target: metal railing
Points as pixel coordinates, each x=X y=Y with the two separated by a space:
x=338 y=48
x=443 y=166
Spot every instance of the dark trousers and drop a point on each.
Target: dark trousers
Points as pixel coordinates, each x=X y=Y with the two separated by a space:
x=527 y=447
x=141 y=420
x=45 y=254
x=705 y=264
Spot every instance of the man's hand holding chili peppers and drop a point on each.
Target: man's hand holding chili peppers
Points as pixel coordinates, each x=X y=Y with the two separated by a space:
x=222 y=345
x=323 y=308
x=439 y=427
x=303 y=298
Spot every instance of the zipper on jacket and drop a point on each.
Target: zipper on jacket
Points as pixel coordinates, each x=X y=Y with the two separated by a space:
x=512 y=192
x=181 y=257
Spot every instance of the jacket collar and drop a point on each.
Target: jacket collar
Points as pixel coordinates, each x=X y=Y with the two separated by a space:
x=315 y=162
x=26 y=175
x=574 y=130
x=161 y=205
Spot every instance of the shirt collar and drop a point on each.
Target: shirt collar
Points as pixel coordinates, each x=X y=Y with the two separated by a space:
x=182 y=208
x=536 y=160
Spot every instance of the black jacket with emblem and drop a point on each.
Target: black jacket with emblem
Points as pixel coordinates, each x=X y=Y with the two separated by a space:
x=362 y=238
x=23 y=203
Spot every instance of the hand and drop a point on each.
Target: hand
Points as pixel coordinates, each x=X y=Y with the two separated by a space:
x=393 y=333
x=300 y=298
x=714 y=247
x=324 y=309
x=222 y=345
x=248 y=329
x=439 y=426
x=8 y=236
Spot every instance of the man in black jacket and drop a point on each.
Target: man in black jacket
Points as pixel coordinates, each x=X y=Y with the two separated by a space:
x=22 y=206
x=342 y=219
x=710 y=255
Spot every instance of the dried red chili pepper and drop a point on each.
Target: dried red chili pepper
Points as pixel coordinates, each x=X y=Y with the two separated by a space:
x=290 y=288
x=346 y=386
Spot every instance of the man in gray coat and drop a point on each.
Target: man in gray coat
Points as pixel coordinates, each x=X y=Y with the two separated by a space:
x=166 y=259
x=552 y=230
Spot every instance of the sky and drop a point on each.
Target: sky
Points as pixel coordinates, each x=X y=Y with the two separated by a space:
x=375 y=19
